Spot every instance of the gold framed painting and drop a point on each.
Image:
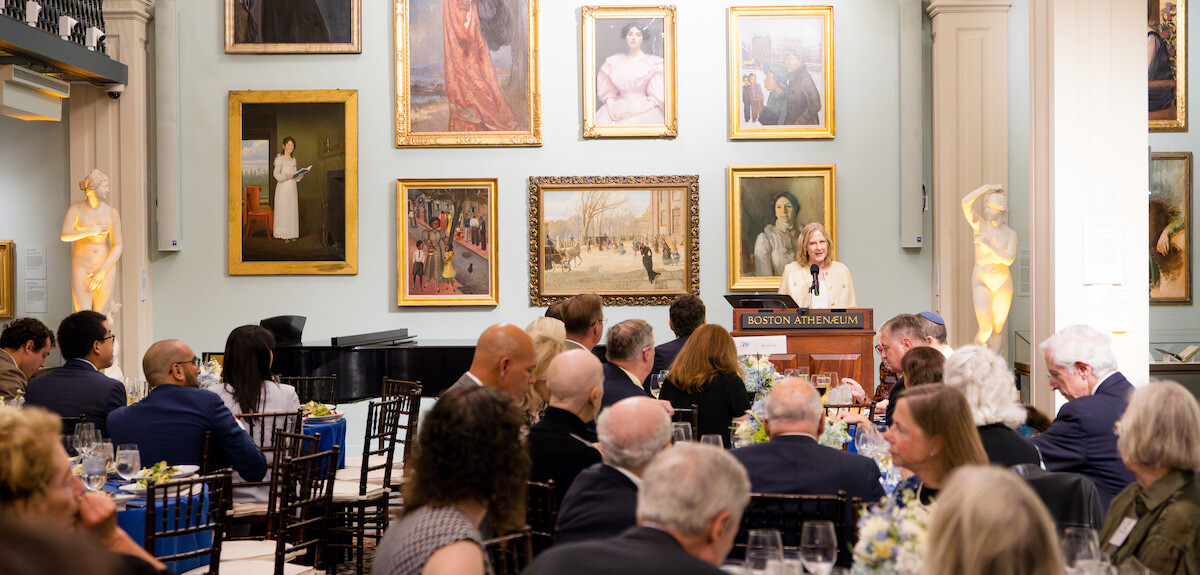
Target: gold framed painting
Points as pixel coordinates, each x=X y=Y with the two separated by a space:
x=467 y=73
x=781 y=72
x=633 y=240
x=1170 y=228
x=293 y=182
x=293 y=26
x=1167 y=67
x=629 y=72
x=445 y=242
x=767 y=207
x=8 y=275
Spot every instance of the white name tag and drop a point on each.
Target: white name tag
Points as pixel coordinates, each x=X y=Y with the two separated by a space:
x=1118 y=536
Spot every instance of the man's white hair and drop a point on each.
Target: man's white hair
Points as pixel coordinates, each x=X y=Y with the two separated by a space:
x=1081 y=344
x=990 y=387
x=632 y=446
x=686 y=486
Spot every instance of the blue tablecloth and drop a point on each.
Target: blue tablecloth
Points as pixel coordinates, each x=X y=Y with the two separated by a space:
x=133 y=520
x=331 y=434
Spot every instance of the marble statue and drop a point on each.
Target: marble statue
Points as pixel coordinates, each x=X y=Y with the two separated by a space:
x=995 y=250
x=94 y=228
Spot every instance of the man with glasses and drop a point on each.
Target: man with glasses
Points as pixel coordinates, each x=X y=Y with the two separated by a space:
x=170 y=423
x=79 y=387
x=583 y=318
x=630 y=356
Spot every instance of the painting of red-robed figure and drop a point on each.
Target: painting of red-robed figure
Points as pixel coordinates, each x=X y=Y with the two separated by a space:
x=466 y=73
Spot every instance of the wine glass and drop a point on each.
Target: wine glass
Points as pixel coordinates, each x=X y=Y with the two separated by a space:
x=764 y=547
x=681 y=432
x=818 y=547
x=95 y=471
x=656 y=382
x=712 y=439
x=129 y=461
x=85 y=437
x=1079 y=544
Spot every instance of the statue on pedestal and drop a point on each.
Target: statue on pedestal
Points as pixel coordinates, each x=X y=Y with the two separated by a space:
x=995 y=251
x=94 y=228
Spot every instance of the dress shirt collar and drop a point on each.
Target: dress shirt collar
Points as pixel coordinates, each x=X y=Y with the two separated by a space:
x=87 y=362
x=472 y=377
x=627 y=473
x=1102 y=380
x=632 y=378
x=570 y=342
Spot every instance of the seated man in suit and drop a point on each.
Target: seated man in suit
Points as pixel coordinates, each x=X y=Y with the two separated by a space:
x=630 y=353
x=559 y=444
x=24 y=345
x=1083 y=437
x=169 y=424
x=583 y=317
x=504 y=359
x=78 y=387
x=602 y=501
x=793 y=462
x=686 y=314
x=688 y=512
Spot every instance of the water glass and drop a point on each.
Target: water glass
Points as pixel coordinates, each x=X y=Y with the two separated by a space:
x=818 y=547
x=129 y=461
x=1079 y=544
x=95 y=472
x=104 y=448
x=681 y=432
x=763 y=547
x=656 y=382
x=85 y=437
x=712 y=439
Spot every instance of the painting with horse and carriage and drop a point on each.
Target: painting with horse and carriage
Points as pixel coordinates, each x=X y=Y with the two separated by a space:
x=633 y=240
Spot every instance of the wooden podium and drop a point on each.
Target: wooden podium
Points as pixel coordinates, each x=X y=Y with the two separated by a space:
x=820 y=339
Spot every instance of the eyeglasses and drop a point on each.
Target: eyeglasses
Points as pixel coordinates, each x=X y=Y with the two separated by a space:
x=111 y=336
x=194 y=361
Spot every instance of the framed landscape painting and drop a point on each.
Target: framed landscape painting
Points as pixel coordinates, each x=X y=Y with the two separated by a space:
x=633 y=240
x=767 y=207
x=781 y=72
x=467 y=73
x=1170 y=228
x=293 y=182
x=293 y=26
x=629 y=72
x=1167 y=66
x=445 y=242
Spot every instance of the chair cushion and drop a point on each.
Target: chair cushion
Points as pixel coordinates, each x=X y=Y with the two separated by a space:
x=259 y=567
x=240 y=550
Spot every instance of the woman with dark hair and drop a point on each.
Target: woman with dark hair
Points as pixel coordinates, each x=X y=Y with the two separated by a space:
x=629 y=85
x=706 y=373
x=287 y=196
x=469 y=464
x=931 y=434
x=775 y=247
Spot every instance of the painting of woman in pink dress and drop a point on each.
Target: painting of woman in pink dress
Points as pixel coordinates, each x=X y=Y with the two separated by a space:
x=630 y=85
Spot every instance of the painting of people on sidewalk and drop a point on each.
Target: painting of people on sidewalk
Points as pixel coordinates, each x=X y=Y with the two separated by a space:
x=631 y=239
x=445 y=249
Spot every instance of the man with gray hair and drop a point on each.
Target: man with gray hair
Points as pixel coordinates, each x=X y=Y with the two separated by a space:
x=1083 y=437
x=793 y=462
x=630 y=356
x=559 y=444
x=688 y=513
x=602 y=501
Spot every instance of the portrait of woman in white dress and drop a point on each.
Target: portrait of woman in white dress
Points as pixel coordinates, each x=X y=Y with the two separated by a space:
x=629 y=85
x=287 y=202
x=775 y=246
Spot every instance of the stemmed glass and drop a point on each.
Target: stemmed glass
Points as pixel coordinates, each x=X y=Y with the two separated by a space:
x=86 y=437
x=656 y=382
x=681 y=432
x=712 y=439
x=129 y=461
x=818 y=547
x=764 y=548
x=1079 y=546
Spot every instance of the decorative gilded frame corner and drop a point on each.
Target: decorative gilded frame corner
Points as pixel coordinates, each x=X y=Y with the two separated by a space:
x=234 y=46
x=617 y=282
x=669 y=128
x=745 y=222
x=1179 y=252
x=410 y=223
x=1179 y=121
x=740 y=15
x=238 y=227
x=8 y=274
x=407 y=136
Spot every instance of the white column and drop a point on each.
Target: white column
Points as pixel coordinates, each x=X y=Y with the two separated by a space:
x=970 y=141
x=112 y=135
x=1090 y=164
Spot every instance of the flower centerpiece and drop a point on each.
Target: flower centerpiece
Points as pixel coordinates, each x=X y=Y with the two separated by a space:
x=210 y=374
x=892 y=537
x=760 y=374
x=760 y=377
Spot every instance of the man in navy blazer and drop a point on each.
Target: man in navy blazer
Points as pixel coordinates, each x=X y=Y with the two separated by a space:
x=1083 y=437
x=602 y=501
x=78 y=387
x=793 y=462
x=685 y=316
x=560 y=446
x=630 y=353
x=169 y=424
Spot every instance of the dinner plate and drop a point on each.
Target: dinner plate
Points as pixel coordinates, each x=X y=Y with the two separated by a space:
x=134 y=488
x=185 y=471
x=121 y=498
x=334 y=415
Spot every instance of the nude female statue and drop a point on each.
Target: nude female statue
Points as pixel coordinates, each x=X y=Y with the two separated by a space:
x=95 y=229
x=995 y=251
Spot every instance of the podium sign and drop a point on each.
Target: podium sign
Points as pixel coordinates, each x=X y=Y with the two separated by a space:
x=803 y=319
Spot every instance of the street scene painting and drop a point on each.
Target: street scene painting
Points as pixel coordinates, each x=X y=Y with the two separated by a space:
x=445 y=248
x=632 y=240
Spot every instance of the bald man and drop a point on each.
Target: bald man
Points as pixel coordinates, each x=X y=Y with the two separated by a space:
x=169 y=424
x=560 y=445
x=504 y=359
x=602 y=501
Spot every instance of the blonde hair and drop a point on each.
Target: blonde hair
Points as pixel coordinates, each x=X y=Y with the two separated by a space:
x=802 y=242
x=1161 y=427
x=708 y=350
x=942 y=411
x=548 y=335
x=28 y=439
x=987 y=520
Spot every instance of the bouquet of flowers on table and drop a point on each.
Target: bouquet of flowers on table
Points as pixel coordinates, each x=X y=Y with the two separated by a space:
x=210 y=374
x=761 y=376
x=892 y=537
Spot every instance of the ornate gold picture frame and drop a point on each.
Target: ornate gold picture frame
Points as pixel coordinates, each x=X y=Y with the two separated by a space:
x=445 y=242
x=1167 y=20
x=633 y=240
x=293 y=26
x=767 y=207
x=296 y=215
x=472 y=82
x=8 y=274
x=1171 y=228
x=781 y=72
x=629 y=83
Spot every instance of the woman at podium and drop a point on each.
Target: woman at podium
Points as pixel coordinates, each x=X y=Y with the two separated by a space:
x=834 y=286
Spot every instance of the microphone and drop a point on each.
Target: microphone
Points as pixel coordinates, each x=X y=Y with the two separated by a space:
x=816 y=286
